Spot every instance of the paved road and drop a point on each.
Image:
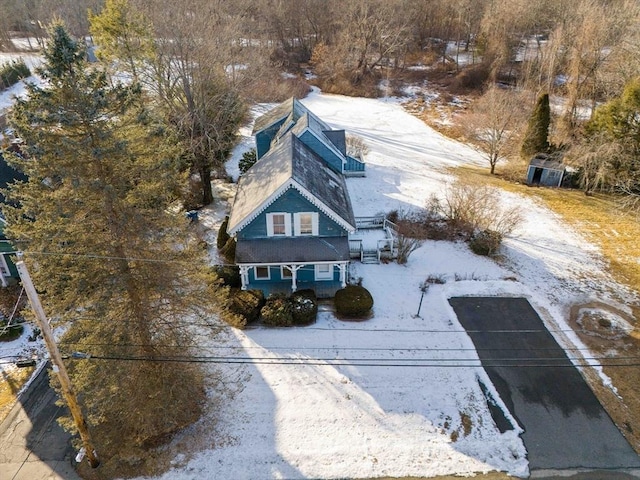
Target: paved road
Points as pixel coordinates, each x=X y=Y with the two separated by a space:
x=32 y=444
x=565 y=425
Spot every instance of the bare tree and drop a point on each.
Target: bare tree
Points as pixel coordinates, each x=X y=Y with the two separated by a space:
x=494 y=123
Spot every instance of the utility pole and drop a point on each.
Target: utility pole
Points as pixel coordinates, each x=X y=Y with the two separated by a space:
x=65 y=383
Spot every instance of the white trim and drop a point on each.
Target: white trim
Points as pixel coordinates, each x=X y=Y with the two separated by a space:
x=4 y=271
x=255 y=272
x=321 y=275
x=276 y=264
x=329 y=145
x=325 y=209
x=289 y=269
x=297 y=224
x=287 y=224
x=261 y=208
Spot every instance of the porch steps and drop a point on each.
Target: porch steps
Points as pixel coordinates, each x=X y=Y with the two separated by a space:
x=370 y=256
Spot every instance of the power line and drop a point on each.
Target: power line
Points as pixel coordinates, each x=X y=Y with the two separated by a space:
x=362 y=363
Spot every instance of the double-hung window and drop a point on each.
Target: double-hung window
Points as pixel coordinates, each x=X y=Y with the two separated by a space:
x=278 y=224
x=305 y=223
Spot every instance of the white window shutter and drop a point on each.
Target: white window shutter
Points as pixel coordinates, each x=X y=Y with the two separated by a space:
x=296 y=224
x=315 y=224
x=287 y=224
x=269 y=224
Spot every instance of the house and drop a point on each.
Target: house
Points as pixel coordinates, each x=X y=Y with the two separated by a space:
x=292 y=214
x=547 y=170
x=292 y=116
x=8 y=175
x=8 y=272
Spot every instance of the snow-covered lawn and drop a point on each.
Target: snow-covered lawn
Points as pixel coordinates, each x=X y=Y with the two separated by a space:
x=398 y=394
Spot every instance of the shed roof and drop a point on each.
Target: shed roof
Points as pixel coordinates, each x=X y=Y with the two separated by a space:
x=291 y=164
x=292 y=250
x=542 y=160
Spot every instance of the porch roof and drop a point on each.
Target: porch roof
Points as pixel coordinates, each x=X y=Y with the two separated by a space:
x=292 y=250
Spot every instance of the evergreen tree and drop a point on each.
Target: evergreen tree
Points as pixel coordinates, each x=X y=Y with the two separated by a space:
x=247 y=160
x=115 y=265
x=536 y=138
x=123 y=35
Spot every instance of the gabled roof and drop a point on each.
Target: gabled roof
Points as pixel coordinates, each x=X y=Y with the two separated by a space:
x=290 y=107
x=290 y=164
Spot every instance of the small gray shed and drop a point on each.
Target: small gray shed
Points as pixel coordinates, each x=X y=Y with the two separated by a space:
x=547 y=170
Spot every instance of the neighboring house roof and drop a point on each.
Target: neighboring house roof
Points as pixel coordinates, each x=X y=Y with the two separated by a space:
x=8 y=175
x=290 y=164
x=542 y=160
x=292 y=250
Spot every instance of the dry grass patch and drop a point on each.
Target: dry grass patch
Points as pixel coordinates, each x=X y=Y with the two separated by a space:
x=12 y=381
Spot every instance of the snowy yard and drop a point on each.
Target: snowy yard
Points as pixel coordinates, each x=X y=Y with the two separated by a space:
x=397 y=395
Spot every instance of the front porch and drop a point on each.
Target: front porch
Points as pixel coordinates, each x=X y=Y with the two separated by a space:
x=326 y=289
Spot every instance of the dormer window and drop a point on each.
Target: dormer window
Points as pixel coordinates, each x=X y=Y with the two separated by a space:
x=278 y=224
x=305 y=223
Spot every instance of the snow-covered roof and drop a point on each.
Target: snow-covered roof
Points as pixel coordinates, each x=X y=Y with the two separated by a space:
x=291 y=164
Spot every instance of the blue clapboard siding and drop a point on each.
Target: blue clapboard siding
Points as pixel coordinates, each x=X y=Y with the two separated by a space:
x=291 y=202
x=264 y=138
x=305 y=274
x=321 y=149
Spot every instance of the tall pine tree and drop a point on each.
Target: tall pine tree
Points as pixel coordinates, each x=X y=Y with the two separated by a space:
x=536 y=138
x=115 y=265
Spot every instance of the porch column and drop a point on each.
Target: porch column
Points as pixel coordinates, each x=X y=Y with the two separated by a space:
x=294 y=276
x=244 y=276
x=343 y=274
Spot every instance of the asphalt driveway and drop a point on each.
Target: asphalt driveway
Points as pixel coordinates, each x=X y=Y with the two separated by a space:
x=564 y=425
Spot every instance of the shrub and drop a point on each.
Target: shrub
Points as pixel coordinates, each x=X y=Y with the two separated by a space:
x=485 y=242
x=230 y=275
x=7 y=334
x=12 y=72
x=353 y=301
x=304 y=307
x=223 y=235
x=229 y=250
x=470 y=208
x=277 y=312
x=247 y=161
x=243 y=307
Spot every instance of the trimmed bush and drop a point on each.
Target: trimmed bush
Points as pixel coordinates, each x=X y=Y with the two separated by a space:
x=353 y=301
x=12 y=72
x=277 y=312
x=485 y=242
x=304 y=307
x=243 y=307
x=223 y=236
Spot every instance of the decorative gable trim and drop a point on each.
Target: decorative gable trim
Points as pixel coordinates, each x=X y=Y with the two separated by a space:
x=324 y=208
x=263 y=206
x=306 y=194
